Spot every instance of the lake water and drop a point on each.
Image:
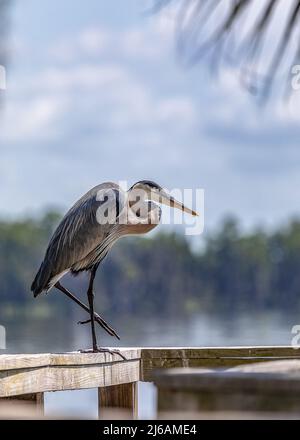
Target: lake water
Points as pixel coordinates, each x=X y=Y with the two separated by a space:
x=59 y=335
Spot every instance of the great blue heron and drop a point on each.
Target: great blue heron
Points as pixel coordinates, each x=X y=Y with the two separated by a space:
x=88 y=231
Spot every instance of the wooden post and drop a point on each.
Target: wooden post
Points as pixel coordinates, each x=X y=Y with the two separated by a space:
x=117 y=399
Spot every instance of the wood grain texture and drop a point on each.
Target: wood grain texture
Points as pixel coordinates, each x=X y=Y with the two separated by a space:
x=15 y=361
x=24 y=374
x=124 y=396
x=213 y=352
x=209 y=357
x=57 y=372
x=44 y=379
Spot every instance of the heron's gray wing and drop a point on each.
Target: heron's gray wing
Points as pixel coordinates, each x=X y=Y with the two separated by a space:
x=82 y=237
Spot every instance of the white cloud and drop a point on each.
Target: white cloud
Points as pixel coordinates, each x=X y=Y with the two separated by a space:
x=102 y=95
x=177 y=110
x=32 y=119
x=149 y=42
x=94 y=40
x=91 y=41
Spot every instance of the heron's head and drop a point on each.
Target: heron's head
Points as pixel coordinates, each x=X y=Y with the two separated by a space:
x=148 y=190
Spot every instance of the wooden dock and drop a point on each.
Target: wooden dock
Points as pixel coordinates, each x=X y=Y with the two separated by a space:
x=178 y=372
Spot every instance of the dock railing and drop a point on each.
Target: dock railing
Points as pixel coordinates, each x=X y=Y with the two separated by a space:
x=27 y=377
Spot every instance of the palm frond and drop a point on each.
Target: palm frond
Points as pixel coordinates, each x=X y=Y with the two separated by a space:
x=256 y=34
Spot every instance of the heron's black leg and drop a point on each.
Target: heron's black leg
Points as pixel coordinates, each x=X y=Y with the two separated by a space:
x=98 y=318
x=90 y=294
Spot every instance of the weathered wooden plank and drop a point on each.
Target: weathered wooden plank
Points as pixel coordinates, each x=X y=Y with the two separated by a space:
x=53 y=378
x=13 y=362
x=94 y=358
x=209 y=357
x=22 y=374
x=213 y=352
x=119 y=397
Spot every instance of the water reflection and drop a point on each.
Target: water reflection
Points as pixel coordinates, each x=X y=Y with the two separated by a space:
x=60 y=333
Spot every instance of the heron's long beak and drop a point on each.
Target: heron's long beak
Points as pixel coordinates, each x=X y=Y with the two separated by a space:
x=166 y=199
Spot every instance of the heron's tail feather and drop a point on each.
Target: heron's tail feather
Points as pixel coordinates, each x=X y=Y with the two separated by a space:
x=41 y=281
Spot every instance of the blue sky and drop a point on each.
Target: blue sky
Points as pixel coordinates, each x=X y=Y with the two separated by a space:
x=96 y=92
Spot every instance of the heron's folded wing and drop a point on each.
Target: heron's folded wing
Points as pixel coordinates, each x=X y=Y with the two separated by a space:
x=83 y=231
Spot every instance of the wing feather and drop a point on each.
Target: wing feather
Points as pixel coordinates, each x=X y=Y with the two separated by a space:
x=80 y=241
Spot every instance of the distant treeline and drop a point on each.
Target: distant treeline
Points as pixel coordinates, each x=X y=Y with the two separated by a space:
x=162 y=274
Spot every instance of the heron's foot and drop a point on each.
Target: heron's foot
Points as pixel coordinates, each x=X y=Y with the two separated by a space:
x=102 y=324
x=104 y=350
